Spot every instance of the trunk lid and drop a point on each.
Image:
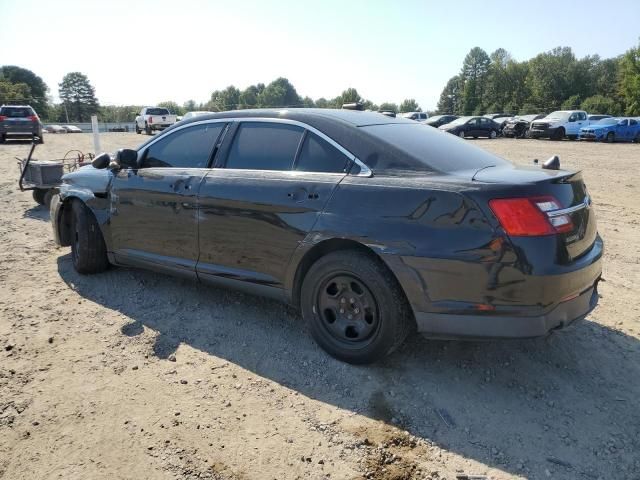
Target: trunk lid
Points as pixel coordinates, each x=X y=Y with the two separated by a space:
x=567 y=188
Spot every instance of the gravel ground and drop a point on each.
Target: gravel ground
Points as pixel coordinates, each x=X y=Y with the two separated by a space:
x=131 y=374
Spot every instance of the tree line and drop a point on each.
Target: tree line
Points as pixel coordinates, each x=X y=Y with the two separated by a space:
x=486 y=83
x=552 y=80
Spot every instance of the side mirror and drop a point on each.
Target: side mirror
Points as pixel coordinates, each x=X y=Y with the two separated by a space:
x=101 y=161
x=127 y=158
x=552 y=164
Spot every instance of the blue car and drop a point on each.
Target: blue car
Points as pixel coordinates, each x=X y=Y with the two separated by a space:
x=617 y=129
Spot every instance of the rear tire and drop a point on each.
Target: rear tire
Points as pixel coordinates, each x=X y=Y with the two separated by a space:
x=39 y=195
x=3 y=138
x=138 y=131
x=147 y=129
x=347 y=284
x=88 y=251
x=493 y=134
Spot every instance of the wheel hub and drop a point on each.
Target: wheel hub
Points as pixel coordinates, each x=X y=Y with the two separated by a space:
x=347 y=308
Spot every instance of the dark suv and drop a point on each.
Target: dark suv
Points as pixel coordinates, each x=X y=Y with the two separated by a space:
x=19 y=121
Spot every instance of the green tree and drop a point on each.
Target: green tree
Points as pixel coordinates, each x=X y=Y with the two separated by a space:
x=322 y=103
x=13 y=92
x=409 y=105
x=190 y=106
x=173 y=107
x=249 y=96
x=630 y=80
x=388 y=107
x=451 y=97
x=571 y=103
x=600 y=104
x=78 y=97
x=223 y=100
x=36 y=96
x=279 y=93
x=550 y=77
x=474 y=74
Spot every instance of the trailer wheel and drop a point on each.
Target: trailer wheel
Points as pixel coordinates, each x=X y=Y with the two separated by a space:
x=88 y=251
x=39 y=195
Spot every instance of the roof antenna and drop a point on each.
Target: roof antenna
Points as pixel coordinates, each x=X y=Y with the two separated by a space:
x=552 y=163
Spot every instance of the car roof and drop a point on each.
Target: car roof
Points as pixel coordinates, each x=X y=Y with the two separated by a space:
x=310 y=116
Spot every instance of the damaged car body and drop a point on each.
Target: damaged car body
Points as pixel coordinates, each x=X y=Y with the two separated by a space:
x=373 y=226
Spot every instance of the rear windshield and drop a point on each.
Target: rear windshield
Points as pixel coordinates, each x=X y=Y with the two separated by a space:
x=427 y=149
x=157 y=111
x=16 y=112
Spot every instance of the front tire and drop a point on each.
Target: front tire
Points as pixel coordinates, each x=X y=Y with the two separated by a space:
x=355 y=308
x=611 y=137
x=493 y=134
x=88 y=251
x=461 y=133
x=559 y=134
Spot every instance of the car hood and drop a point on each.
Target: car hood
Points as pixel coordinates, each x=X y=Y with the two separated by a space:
x=599 y=127
x=88 y=178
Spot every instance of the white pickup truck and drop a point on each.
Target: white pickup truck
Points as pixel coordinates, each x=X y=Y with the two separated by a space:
x=560 y=124
x=154 y=118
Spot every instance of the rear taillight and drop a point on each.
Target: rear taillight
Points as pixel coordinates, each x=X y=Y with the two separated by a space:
x=150 y=119
x=34 y=118
x=531 y=216
x=2 y=118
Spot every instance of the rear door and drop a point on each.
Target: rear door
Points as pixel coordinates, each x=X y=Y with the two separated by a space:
x=275 y=179
x=154 y=216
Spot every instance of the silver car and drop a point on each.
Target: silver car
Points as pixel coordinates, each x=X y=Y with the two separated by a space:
x=19 y=121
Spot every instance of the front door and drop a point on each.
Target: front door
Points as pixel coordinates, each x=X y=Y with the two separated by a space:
x=154 y=215
x=258 y=208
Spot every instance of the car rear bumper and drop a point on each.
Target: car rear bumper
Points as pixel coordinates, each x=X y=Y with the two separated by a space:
x=566 y=313
x=159 y=126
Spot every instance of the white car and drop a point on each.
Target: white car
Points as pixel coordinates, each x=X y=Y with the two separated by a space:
x=193 y=114
x=417 y=116
x=72 y=129
x=560 y=124
x=55 y=129
x=153 y=119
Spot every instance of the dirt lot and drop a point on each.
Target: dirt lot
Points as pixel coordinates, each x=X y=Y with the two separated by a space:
x=135 y=375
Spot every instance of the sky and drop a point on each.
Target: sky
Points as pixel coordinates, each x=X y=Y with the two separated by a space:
x=142 y=52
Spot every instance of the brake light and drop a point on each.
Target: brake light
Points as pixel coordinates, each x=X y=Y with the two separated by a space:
x=34 y=118
x=150 y=119
x=530 y=217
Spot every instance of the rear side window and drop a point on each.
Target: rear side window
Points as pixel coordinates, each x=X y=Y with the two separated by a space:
x=264 y=146
x=420 y=148
x=187 y=148
x=632 y=122
x=317 y=155
x=17 y=112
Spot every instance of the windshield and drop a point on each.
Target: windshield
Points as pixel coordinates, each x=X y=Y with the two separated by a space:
x=426 y=150
x=559 y=114
x=608 y=121
x=157 y=111
x=460 y=121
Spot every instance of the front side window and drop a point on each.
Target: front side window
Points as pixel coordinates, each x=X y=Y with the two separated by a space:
x=318 y=155
x=264 y=146
x=187 y=148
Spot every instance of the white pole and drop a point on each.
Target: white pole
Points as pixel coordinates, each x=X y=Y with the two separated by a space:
x=96 y=134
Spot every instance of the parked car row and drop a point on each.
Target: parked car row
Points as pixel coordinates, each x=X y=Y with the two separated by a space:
x=62 y=129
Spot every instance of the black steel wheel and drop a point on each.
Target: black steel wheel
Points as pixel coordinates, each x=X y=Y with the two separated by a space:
x=354 y=307
x=88 y=251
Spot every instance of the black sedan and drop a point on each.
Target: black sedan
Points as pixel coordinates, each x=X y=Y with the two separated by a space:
x=472 y=127
x=375 y=227
x=439 y=120
x=518 y=127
